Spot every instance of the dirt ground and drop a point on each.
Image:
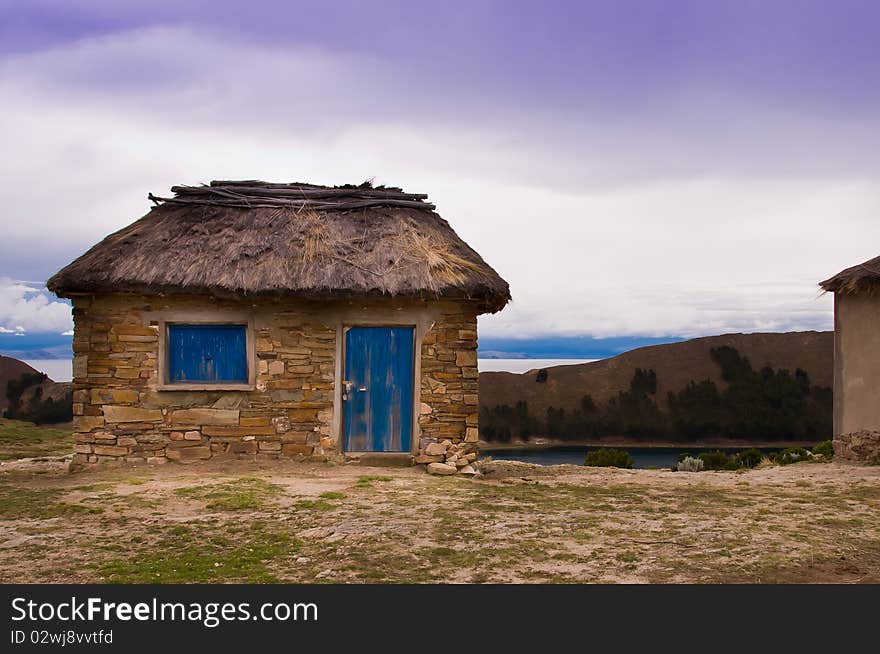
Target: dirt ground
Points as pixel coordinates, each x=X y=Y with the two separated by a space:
x=314 y=522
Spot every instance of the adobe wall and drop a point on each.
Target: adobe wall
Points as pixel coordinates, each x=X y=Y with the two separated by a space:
x=122 y=412
x=857 y=377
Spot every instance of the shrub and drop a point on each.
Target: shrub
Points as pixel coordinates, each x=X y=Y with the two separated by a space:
x=37 y=409
x=714 y=460
x=792 y=455
x=15 y=387
x=607 y=457
x=48 y=411
x=749 y=458
x=689 y=464
x=825 y=448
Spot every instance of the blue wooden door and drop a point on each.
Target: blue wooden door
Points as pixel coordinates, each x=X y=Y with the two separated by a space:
x=378 y=389
x=207 y=353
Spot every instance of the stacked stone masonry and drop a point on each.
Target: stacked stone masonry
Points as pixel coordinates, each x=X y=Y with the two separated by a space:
x=449 y=396
x=122 y=412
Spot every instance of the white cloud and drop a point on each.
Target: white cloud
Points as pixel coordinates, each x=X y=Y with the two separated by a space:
x=624 y=225
x=25 y=308
x=678 y=258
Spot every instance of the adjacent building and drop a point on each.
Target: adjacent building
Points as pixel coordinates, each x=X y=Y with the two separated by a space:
x=856 y=361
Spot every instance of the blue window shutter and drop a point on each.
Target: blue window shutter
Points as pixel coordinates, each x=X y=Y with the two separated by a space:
x=207 y=354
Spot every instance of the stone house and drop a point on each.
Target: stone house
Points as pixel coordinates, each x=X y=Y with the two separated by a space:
x=856 y=361
x=255 y=319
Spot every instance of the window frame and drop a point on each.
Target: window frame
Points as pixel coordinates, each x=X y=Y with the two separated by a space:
x=206 y=318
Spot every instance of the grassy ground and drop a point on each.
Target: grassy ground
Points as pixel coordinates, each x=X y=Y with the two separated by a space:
x=19 y=440
x=290 y=522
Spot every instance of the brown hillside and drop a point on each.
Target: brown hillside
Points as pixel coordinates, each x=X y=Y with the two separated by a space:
x=13 y=369
x=50 y=390
x=675 y=364
x=10 y=369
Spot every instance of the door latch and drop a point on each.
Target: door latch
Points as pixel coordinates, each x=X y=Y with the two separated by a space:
x=346 y=393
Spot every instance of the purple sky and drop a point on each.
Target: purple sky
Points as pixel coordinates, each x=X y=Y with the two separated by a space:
x=654 y=168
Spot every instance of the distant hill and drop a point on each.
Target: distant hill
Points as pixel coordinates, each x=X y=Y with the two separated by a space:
x=10 y=369
x=675 y=364
x=36 y=395
x=750 y=386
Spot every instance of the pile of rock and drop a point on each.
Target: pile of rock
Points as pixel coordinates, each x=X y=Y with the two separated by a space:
x=448 y=458
x=858 y=446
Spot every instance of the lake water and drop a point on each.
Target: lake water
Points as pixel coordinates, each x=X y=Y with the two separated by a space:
x=643 y=457
x=524 y=365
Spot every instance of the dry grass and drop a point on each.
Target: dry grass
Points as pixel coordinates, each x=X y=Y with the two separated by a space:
x=444 y=266
x=801 y=523
x=317 y=244
x=315 y=251
x=861 y=278
x=19 y=440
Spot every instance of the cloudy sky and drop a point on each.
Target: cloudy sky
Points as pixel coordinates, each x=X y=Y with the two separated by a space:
x=631 y=168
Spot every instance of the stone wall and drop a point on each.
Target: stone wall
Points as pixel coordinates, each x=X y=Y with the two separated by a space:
x=449 y=400
x=122 y=412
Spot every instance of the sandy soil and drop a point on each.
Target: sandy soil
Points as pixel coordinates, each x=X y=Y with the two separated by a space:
x=301 y=522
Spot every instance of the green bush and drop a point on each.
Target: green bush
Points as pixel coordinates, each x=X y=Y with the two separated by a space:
x=715 y=460
x=607 y=457
x=825 y=448
x=792 y=455
x=37 y=409
x=749 y=458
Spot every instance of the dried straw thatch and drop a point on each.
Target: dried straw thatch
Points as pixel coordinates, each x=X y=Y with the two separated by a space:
x=254 y=238
x=864 y=277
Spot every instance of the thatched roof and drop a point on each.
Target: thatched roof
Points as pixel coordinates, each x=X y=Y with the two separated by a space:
x=254 y=238
x=861 y=278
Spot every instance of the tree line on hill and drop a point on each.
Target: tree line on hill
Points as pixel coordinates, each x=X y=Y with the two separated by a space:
x=765 y=404
x=32 y=406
